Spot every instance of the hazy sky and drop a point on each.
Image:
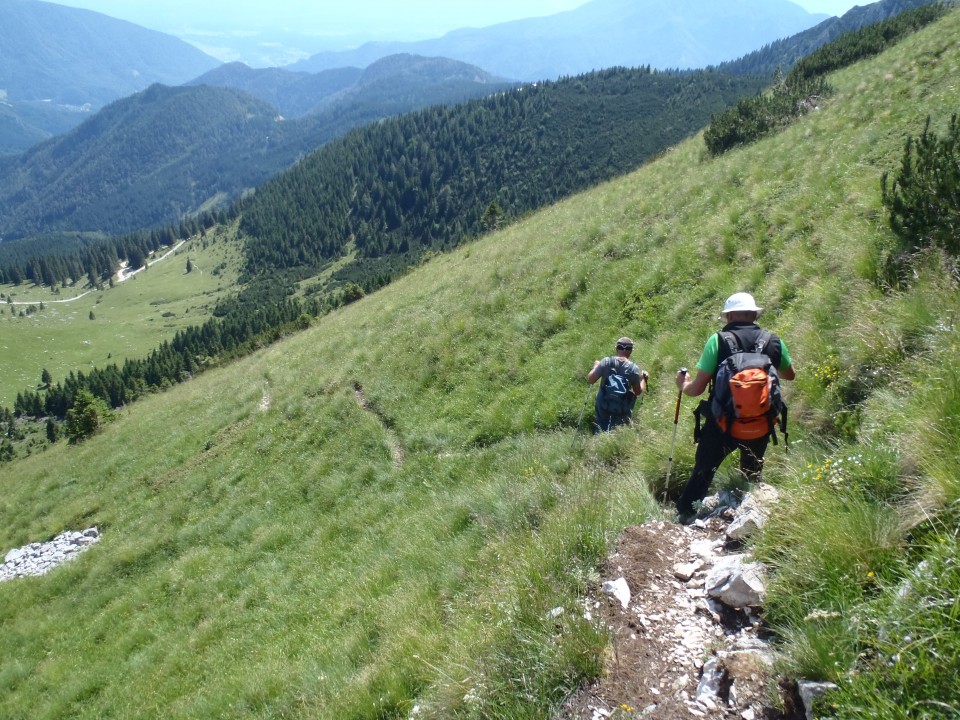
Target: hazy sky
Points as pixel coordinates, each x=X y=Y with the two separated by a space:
x=233 y=29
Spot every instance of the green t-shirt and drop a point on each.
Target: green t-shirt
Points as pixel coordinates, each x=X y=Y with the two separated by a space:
x=710 y=358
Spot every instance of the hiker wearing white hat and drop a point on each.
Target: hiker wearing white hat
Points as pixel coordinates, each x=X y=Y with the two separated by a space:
x=740 y=302
x=742 y=348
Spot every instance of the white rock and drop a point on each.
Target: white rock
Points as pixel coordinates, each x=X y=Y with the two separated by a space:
x=745 y=524
x=763 y=497
x=619 y=589
x=709 y=685
x=685 y=571
x=705 y=549
x=736 y=582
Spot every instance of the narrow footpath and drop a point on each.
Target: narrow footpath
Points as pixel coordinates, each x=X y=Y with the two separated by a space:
x=682 y=607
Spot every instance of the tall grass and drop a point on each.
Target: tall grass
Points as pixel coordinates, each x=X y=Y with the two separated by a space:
x=272 y=547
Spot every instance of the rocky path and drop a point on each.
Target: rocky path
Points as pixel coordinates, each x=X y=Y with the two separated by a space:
x=686 y=640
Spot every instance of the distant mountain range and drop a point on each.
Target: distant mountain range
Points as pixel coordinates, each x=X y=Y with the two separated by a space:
x=163 y=153
x=60 y=64
x=395 y=83
x=601 y=34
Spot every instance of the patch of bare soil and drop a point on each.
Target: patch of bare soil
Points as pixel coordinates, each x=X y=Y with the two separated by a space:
x=675 y=651
x=396 y=449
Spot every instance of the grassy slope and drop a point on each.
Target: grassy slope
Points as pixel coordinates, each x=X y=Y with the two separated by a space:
x=318 y=559
x=130 y=319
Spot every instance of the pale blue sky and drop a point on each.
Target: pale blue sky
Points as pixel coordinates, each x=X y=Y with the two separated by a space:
x=412 y=16
x=287 y=30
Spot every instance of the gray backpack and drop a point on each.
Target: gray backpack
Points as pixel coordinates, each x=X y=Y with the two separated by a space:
x=616 y=395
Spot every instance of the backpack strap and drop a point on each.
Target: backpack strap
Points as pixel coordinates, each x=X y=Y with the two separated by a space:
x=608 y=366
x=783 y=427
x=730 y=342
x=727 y=344
x=763 y=342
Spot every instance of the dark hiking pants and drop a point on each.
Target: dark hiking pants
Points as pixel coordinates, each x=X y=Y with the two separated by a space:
x=714 y=446
x=608 y=421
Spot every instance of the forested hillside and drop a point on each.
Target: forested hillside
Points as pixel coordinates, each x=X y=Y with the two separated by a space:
x=144 y=161
x=429 y=180
x=293 y=94
x=398 y=187
x=167 y=153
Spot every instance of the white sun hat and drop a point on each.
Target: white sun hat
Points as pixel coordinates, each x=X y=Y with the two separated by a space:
x=740 y=302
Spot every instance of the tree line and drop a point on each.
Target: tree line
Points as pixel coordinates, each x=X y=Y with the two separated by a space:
x=424 y=181
x=95 y=261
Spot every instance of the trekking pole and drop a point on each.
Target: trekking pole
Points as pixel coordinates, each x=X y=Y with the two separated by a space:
x=673 y=443
x=576 y=432
x=584 y=408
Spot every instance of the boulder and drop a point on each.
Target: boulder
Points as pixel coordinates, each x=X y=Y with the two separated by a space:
x=753 y=512
x=736 y=582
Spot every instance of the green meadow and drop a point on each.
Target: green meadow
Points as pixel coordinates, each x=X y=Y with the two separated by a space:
x=77 y=328
x=380 y=516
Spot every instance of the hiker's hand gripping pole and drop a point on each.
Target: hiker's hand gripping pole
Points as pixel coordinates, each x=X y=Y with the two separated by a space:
x=673 y=443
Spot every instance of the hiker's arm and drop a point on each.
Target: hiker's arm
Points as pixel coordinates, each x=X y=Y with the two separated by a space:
x=594 y=374
x=641 y=387
x=708 y=359
x=786 y=363
x=694 y=387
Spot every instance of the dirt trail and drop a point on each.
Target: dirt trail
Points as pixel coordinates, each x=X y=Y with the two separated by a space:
x=396 y=449
x=669 y=630
x=121 y=276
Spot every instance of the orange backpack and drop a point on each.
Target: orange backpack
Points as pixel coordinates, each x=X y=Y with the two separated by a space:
x=746 y=401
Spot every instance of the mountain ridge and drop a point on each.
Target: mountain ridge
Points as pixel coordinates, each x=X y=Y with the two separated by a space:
x=130 y=178
x=600 y=34
x=296 y=94
x=59 y=63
